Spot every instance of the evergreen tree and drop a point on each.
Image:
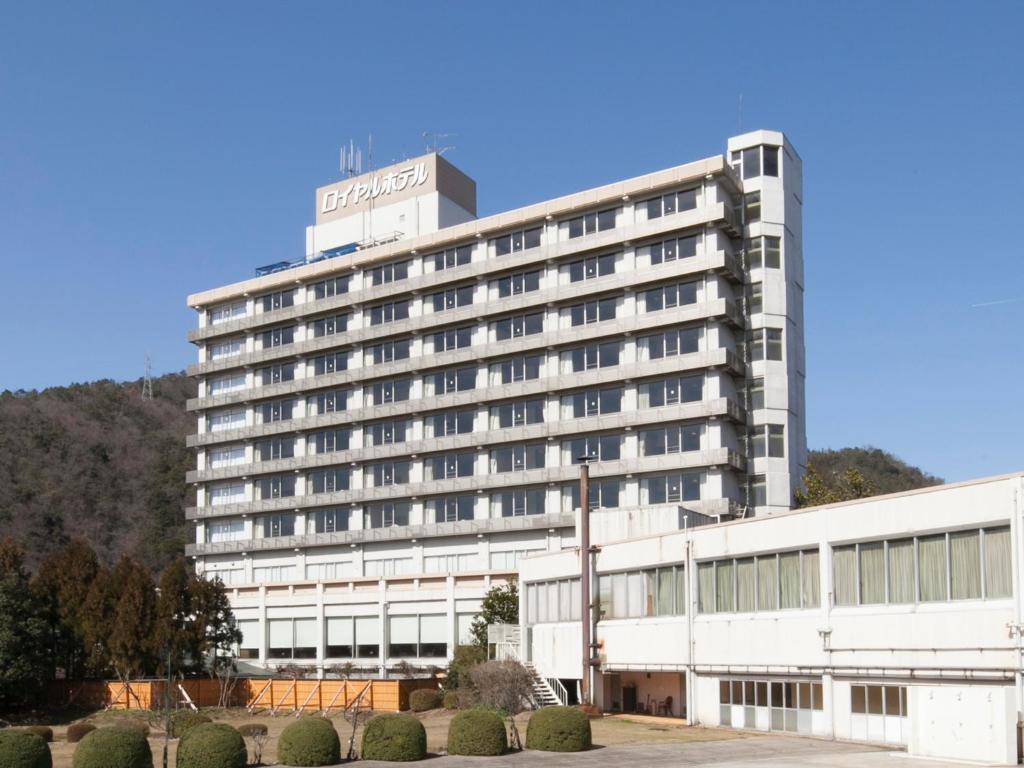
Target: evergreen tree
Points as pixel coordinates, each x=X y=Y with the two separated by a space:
x=499 y=606
x=24 y=633
x=848 y=485
x=133 y=620
x=62 y=586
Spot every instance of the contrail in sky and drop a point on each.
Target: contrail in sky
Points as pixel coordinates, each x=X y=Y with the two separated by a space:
x=998 y=301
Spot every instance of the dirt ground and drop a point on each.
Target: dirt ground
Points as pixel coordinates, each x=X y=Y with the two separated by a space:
x=608 y=731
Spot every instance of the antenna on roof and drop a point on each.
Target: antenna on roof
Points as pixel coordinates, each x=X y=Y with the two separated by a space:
x=432 y=137
x=350 y=160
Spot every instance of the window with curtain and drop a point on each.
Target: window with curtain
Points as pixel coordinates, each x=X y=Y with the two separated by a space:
x=931 y=563
x=901 y=571
x=789 y=580
x=997 y=563
x=725 y=587
x=871 y=573
x=706 y=587
x=844 y=566
x=810 y=589
x=746 y=585
x=767 y=583
x=965 y=565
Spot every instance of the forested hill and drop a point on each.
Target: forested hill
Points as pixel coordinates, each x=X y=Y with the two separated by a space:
x=98 y=462
x=884 y=472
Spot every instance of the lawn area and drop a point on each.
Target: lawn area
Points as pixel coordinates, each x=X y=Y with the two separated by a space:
x=607 y=731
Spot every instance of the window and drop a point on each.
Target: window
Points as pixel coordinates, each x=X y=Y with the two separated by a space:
x=389 y=312
x=334 y=401
x=278 y=410
x=780 y=581
x=757 y=491
x=591 y=357
x=275 y=526
x=291 y=638
x=224 y=420
x=589 y=268
x=388 y=352
x=639 y=594
x=668 y=296
x=330 y=363
x=520 y=325
x=766 y=344
x=755 y=298
x=770 y=705
x=330 y=441
x=275 y=448
x=449 y=258
x=771 y=161
x=226 y=456
x=517 y=414
x=278 y=300
x=593 y=311
x=764 y=252
x=453 y=338
x=328 y=480
x=225 y=384
x=515 y=242
x=334 y=287
x=755 y=393
x=226 y=313
x=224 y=349
x=671 y=391
x=671 y=488
x=516 y=369
x=449 y=465
x=674 y=202
x=329 y=520
x=276 y=487
x=517 y=502
x=514 y=285
x=275 y=374
x=340 y=637
x=752 y=206
x=450 y=509
x=387 y=473
x=592 y=447
x=451 y=563
x=756 y=161
x=680 y=341
x=552 y=601
x=367 y=636
x=452 y=298
x=751 y=163
x=450 y=423
x=670 y=250
x=387 y=514
x=603 y=493
x=392 y=391
x=277 y=337
x=517 y=458
x=768 y=440
x=677 y=438
x=451 y=380
x=227 y=493
x=389 y=273
x=421 y=637
x=590 y=223
x=387 y=432
x=960 y=565
x=592 y=402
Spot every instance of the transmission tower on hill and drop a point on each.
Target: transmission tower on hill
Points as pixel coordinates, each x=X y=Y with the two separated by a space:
x=147 y=380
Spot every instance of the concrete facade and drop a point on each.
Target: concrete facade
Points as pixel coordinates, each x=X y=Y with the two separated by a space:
x=386 y=428
x=894 y=620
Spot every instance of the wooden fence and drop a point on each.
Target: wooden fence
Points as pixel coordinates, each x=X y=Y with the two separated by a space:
x=281 y=695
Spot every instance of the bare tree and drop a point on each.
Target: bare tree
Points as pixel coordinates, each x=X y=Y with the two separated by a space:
x=504 y=685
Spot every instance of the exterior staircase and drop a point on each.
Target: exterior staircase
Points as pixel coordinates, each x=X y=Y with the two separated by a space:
x=546 y=692
x=507 y=643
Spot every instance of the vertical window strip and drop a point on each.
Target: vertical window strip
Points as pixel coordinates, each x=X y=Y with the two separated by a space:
x=998 y=568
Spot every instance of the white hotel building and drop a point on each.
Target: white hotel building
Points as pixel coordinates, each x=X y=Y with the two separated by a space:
x=386 y=427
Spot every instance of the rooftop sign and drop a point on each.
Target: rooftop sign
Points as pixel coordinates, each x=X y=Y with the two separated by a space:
x=380 y=185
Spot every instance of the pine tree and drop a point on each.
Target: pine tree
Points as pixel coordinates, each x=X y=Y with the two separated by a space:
x=131 y=626
x=24 y=632
x=62 y=585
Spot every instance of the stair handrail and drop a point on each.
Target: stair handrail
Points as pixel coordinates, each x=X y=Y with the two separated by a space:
x=558 y=689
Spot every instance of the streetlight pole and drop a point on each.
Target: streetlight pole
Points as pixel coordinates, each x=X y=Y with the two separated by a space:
x=585 y=693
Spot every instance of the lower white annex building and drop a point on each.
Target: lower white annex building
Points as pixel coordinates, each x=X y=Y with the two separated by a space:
x=895 y=619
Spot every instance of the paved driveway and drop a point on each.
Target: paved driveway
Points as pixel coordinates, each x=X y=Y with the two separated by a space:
x=759 y=751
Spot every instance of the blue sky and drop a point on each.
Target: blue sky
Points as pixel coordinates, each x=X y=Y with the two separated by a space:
x=151 y=150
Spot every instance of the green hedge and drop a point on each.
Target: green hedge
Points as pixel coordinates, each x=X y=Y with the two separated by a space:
x=396 y=738
x=212 y=745
x=424 y=699
x=184 y=720
x=450 y=700
x=24 y=749
x=309 y=741
x=76 y=731
x=132 y=723
x=558 y=729
x=43 y=731
x=113 y=747
x=477 y=732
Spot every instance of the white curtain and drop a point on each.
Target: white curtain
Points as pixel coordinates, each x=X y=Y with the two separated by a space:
x=280 y=633
x=997 y=563
x=872 y=573
x=965 y=562
x=305 y=633
x=643 y=349
x=367 y=630
x=575 y=596
x=433 y=629
x=931 y=552
x=706 y=587
x=810 y=580
x=901 y=571
x=339 y=631
x=250 y=634
x=844 y=564
x=635 y=594
x=767 y=584
x=724 y=587
x=666 y=589
x=402 y=629
x=746 y=600
x=789 y=579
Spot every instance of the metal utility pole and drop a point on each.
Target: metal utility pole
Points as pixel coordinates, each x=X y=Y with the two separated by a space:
x=585 y=693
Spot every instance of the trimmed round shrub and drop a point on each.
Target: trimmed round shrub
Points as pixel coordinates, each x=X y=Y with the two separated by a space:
x=185 y=720
x=252 y=730
x=20 y=748
x=212 y=745
x=396 y=738
x=558 y=729
x=133 y=724
x=424 y=699
x=76 y=731
x=309 y=741
x=43 y=731
x=450 y=700
x=477 y=732
x=113 y=747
